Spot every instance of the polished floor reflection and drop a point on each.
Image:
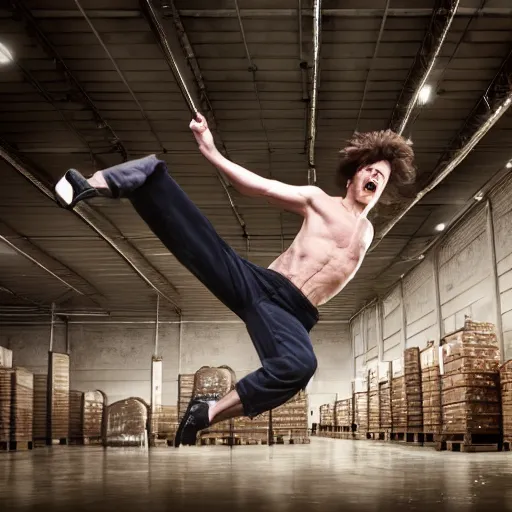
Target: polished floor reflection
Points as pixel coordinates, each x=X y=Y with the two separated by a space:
x=326 y=475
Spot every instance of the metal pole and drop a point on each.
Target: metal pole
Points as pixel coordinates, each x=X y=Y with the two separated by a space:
x=157 y=323
x=314 y=96
x=52 y=326
x=155 y=24
x=404 y=316
x=435 y=265
x=495 y=278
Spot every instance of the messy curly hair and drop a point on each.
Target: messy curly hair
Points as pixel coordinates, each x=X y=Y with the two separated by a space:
x=367 y=148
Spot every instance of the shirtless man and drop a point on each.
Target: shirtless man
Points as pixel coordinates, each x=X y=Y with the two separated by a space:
x=278 y=304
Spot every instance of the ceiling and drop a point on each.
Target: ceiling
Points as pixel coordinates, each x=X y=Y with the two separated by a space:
x=90 y=85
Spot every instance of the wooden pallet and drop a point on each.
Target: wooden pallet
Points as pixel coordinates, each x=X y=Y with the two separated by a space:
x=384 y=435
x=469 y=442
x=215 y=441
x=408 y=436
x=247 y=441
x=15 y=446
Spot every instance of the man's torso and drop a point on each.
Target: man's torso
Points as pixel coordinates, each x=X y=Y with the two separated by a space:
x=327 y=250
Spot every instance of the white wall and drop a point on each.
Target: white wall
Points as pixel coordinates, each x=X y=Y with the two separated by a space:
x=116 y=357
x=456 y=278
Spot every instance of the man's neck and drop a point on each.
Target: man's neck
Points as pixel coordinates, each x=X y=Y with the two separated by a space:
x=355 y=208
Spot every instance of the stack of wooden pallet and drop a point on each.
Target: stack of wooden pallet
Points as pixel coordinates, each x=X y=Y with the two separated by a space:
x=16 y=408
x=412 y=377
x=361 y=411
x=343 y=414
x=289 y=422
x=93 y=417
x=506 y=402
x=76 y=430
x=252 y=431
x=59 y=398
x=373 y=400
x=385 y=420
x=40 y=419
x=185 y=390
x=327 y=416
x=431 y=390
x=5 y=407
x=164 y=422
x=398 y=397
x=470 y=387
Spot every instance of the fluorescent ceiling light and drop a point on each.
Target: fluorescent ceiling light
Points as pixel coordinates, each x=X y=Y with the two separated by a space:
x=509 y=164
x=424 y=94
x=5 y=55
x=441 y=227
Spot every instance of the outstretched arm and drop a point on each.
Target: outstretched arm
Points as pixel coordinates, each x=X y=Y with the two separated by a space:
x=288 y=197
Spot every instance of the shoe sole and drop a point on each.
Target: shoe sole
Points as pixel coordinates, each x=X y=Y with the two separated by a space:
x=64 y=192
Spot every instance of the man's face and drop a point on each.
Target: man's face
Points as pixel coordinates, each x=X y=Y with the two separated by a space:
x=369 y=182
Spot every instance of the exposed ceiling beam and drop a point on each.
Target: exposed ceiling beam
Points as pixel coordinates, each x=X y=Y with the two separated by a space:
x=266 y=13
x=104 y=229
x=49 y=264
x=175 y=45
x=33 y=28
x=317 y=32
x=349 y=13
x=491 y=106
x=421 y=70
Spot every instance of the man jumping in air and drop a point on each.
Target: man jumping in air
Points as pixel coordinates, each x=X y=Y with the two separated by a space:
x=278 y=304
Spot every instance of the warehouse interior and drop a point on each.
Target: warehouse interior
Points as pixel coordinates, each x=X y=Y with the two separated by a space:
x=96 y=315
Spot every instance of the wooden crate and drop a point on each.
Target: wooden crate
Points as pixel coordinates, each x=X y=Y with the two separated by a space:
x=76 y=428
x=40 y=419
x=343 y=413
x=58 y=398
x=361 y=411
x=289 y=422
x=471 y=404
x=93 y=413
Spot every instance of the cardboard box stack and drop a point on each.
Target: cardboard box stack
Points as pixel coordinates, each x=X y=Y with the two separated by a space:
x=290 y=420
x=385 y=396
x=506 y=399
x=412 y=376
x=373 y=399
x=398 y=397
x=343 y=414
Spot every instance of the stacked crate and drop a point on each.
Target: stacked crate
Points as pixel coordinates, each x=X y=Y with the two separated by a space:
x=385 y=419
x=16 y=408
x=412 y=377
x=164 y=422
x=5 y=407
x=373 y=400
x=431 y=390
x=343 y=414
x=290 y=420
x=361 y=405
x=506 y=401
x=398 y=397
x=22 y=408
x=93 y=417
x=40 y=421
x=470 y=382
x=252 y=431
x=58 y=399
x=185 y=390
x=76 y=431
x=327 y=417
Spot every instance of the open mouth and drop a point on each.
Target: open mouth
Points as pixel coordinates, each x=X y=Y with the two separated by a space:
x=371 y=186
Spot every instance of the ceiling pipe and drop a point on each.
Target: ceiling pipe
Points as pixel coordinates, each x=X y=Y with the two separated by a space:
x=317 y=28
x=467 y=138
x=157 y=28
x=400 y=124
x=121 y=75
x=84 y=213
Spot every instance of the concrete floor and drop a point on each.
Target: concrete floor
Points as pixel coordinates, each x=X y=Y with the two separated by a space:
x=323 y=476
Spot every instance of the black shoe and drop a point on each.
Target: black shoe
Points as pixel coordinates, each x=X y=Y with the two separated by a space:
x=72 y=188
x=194 y=420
